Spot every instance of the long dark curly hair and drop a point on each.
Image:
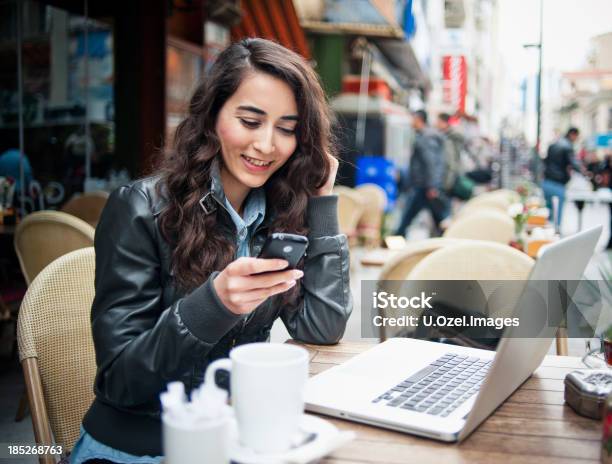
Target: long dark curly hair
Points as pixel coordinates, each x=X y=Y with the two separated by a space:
x=200 y=244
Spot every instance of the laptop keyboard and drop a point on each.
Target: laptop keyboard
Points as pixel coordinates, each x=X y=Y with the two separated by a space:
x=439 y=388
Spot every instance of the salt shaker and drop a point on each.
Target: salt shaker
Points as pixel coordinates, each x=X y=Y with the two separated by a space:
x=199 y=430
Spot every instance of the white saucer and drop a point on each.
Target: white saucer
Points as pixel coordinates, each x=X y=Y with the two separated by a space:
x=323 y=429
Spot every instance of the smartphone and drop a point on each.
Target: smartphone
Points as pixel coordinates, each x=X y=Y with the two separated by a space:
x=290 y=247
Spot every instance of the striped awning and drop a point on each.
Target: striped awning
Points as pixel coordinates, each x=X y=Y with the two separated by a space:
x=272 y=19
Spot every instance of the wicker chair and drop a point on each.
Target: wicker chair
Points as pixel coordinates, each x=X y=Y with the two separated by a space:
x=56 y=348
x=46 y=235
x=393 y=275
x=370 y=224
x=402 y=263
x=486 y=225
x=468 y=210
x=474 y=260
x=350 y=209
x=477 y=261
x=497 y=199
x=87 y=206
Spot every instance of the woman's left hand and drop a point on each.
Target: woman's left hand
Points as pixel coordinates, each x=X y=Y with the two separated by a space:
x=331 y=179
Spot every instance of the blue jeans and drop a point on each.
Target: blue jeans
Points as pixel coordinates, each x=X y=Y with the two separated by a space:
x=416 y=201
x=88 y=449
x=554 y=189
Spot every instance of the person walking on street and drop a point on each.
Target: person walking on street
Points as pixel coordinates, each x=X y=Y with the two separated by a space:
x=453 y=145
x=558 y=163
x=425 y=175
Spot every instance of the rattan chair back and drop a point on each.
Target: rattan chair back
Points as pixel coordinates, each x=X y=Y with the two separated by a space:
x=498 y=199
x=370 y=223
x=56 y=346
x=400 y=265
x=468 y=210
x=479 y=261
x=44 y=236
x=350 y=208
x=87 y=206
x=393 y=275
x=486 y=225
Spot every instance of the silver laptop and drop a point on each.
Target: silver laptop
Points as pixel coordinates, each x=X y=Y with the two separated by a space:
x=444 y=391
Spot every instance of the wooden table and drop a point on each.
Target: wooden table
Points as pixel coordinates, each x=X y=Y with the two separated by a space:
x=532 y=426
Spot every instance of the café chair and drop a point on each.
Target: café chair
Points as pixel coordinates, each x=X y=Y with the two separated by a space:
x=497 y=199
x=468 y=210
x=56 y=348
x=394 y=273
x=370 y=223
x=350 y=209
x=43 y=236
x=481 y=261
x=402 y=263
x=474 y=260
x=486 y=225
x=505 y=195
x=39 y=239
x=87 y=206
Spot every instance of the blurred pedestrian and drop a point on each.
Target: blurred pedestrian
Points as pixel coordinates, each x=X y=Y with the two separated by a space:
x=425 y=175
x=456 y=183
x=558 y=164
x=604 y=180
x=453 y=145
x=599 y=173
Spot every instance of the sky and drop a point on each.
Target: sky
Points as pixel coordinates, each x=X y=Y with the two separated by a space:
x=567 y=27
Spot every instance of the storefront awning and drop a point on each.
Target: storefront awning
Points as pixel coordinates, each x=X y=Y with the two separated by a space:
x=401 y=56
x=395 y=61
x=370 y=18
x=273 y=19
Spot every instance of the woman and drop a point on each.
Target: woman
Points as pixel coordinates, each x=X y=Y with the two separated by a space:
x=176 y=280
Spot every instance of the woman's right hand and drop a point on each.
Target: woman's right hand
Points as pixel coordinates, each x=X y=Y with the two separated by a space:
x=241 y=287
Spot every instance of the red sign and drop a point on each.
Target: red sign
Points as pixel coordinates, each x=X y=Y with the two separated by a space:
x=454 y=81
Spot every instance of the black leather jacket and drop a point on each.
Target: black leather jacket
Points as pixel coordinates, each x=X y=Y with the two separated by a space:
x=147 y=334
x=559 y=160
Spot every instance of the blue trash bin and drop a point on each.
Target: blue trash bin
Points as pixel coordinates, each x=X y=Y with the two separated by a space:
x=380 y=171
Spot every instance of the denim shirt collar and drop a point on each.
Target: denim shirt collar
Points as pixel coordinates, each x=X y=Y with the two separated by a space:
x=255 y=203
x=254 y=212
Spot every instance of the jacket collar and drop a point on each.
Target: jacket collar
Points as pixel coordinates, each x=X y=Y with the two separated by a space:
x=210 y=201
x=215 y=195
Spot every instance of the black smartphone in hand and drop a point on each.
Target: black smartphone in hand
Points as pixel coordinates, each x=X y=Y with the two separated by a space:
x=290 y=247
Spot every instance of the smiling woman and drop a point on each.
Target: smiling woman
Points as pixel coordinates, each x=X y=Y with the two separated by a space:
x=177 y=285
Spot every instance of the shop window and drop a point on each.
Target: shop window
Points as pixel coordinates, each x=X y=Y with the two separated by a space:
x=184 y=67
x=65 y=107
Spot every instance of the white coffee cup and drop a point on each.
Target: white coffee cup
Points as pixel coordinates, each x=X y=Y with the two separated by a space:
x=267 y=390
